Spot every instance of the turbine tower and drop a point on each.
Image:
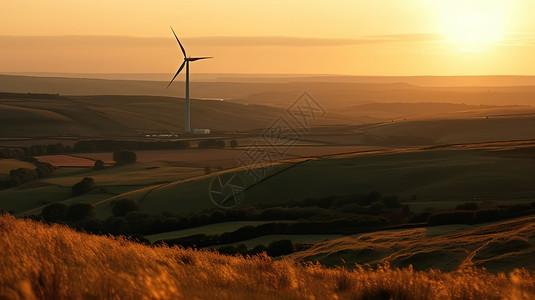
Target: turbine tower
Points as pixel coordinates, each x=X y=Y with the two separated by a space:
x=185 y=63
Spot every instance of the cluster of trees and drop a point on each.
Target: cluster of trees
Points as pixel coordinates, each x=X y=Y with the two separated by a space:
x=472 y=214
x=340 y=215
x=35 y=150
x=353 y=225
x=275 y=248
x=11 y=152
x=330 y=215
x=115 y=145
x=90 y=146
x=24 y=175
x=7 y=95
x=63 y=213
x=82 y=187
x=124 y=157
x=212 y=144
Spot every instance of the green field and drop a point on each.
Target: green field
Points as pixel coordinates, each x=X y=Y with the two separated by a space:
x=7 y=165
x=440 y=177
x=136 y=174
x=267 y=239
x=422 y=178
x=216 y=228
x=112 y=181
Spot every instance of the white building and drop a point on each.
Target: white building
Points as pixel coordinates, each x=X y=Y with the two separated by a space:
x=201 y=131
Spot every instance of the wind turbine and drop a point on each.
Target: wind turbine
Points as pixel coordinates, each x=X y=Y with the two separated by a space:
x=185 y=63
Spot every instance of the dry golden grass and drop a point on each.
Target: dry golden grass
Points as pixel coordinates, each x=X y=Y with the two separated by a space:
x=53 y=262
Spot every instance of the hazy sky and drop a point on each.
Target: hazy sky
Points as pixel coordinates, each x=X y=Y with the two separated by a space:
x=381 y=37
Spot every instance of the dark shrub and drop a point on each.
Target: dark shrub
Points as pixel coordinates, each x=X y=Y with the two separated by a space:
x=207 y=169
x=293 y=213
x=55 y=212
x=282 y=247
x=370 y=198
x=258 y=249
x=90 y=225
x=43 y=169
x=217 y=216
x=99 y=165
x=519 y=209
x=115 y=225
x=467 y=206
x=355 y=208
x=138 y=222
x=490 y=215
x=419 y=218
x=405 y=210
x=376 y=208
x=233 y=144
x=54 y=148
x=212 y=144
x=84 y=146
x=396 y=217
x=451 y=217
x=230 y=250
x=391 y=202
x=124 y=157
x=83 y=186
x=21 y=176
x=123 y=206
x=236 y=214
x=80 y=211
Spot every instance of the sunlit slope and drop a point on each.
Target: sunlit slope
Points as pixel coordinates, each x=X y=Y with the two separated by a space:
x=497 y=247
x=54 y=262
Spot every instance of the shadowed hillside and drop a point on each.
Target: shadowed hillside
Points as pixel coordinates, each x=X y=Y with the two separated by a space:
x=34 y=115
x=333 y=95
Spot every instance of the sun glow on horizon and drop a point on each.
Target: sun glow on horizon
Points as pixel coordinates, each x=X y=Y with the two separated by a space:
x=473 y=26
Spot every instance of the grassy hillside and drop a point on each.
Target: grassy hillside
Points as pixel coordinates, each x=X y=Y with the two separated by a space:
x=440 y=178
x=434 y=177
x=53 y=262
x=451 y=131
x=28 y=115
x=7 y=165
x=499 y=247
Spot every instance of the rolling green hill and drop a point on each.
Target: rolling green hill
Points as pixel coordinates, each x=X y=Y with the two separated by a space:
x=439 y=177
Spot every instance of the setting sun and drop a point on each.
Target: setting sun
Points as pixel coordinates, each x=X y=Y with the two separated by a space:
x=473 y=25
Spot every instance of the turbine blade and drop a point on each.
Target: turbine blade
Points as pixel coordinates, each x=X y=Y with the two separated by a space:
x=179 y=43
x=177 y=72
x=198 y=58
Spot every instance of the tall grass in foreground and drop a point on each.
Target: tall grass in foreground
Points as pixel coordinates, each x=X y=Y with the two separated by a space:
x=38 y=261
